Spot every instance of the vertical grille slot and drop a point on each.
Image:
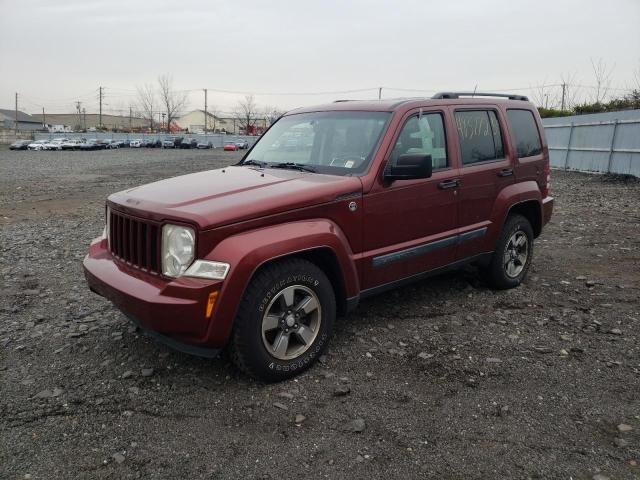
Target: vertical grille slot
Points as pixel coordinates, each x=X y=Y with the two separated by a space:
x=135 y=241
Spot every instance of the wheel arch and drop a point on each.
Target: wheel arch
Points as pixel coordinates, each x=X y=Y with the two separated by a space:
x=326 y=260
x=531 y=210
x=523 y=198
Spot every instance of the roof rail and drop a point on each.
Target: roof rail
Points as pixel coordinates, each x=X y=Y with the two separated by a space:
x=342 y=100
x=479 y=94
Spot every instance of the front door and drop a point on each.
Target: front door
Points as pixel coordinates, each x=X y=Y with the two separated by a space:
x=410 y=225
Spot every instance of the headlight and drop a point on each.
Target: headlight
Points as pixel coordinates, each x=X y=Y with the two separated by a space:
x=177 y=249
x=208 y=269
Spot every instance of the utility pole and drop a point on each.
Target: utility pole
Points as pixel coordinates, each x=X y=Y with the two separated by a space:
x=16 y=113
x=84 y=117
x=79 y=113
x=44 y=119
x=130 y=118
x=163 y=114
x=379 y=93
x=205 y=111
x=100 y=119
x=564 y=87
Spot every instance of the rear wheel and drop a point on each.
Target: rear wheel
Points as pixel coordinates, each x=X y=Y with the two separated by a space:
x=512 y=257
x=284 y=321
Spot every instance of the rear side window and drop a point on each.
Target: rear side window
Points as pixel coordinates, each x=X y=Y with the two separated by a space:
x=480 y=136
x=525 y=133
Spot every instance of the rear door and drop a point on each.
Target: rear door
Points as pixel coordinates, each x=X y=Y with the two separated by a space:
x=409 y=226
x=486 y=168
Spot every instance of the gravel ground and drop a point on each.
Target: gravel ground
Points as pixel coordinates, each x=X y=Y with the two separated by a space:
x=444 y=379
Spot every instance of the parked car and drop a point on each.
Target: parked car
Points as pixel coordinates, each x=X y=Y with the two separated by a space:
x=55 y=144
x=109 y=144
x=72 y=144
x=19 y=145
x=37 y=145
x=135 y=143
x=242 y=144
x=202 y=145
x=91 y=144
x=231 y=146
x=156 y=143
x=261 y=257
x=188 y=143
x=169 y=143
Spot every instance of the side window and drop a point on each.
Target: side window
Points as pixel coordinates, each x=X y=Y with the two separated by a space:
x=525 y=133
x=480 y=136
x=423 y=134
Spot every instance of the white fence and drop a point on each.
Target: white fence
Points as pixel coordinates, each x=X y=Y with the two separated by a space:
x=602 y=142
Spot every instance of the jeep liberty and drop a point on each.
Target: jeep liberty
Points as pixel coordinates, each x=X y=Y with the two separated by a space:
x=331 y=205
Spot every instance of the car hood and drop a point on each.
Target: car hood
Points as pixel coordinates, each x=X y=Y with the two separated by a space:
x=232 y=194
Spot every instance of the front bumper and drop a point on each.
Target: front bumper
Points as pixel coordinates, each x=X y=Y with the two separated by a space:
x=171 y=310
x=547 y=209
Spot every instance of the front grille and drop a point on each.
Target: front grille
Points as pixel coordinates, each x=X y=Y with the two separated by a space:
x=135 y=241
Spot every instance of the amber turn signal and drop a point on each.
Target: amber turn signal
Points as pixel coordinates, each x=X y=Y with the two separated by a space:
x=211 y=302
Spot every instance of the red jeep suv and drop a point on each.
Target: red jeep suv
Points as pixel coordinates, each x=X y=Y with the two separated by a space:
x=333 y=204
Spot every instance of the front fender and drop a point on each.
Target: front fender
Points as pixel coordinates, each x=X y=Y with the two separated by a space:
x=248 y=251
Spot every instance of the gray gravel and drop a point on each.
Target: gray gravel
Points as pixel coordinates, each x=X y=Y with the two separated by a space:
x=442 y=379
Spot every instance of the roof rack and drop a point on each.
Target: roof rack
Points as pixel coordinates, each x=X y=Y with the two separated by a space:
x=479 y=94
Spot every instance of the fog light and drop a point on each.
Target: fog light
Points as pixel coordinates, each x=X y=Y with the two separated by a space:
x=207 y=269
x=211 y=302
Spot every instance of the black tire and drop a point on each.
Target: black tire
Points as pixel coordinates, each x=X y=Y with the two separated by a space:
x=497 y=271
x=248 y=347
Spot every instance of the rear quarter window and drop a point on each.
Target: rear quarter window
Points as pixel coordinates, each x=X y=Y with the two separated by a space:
x=525 y=133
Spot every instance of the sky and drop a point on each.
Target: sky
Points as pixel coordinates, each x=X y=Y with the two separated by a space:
x=298 y=53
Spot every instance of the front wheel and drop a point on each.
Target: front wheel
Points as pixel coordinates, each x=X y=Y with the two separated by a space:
x=284 y=321
x=512 y=256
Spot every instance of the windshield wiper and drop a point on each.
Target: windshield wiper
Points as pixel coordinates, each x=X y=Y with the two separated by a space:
x=294 y=166
x=254 y=162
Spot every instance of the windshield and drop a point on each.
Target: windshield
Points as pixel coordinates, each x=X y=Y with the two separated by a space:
x=338 y=143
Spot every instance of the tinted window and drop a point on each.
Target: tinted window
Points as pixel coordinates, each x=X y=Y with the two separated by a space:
x=480 y=136
x=423 y=134
x=525 y=133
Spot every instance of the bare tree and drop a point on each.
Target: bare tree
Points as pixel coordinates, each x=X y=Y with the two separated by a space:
x=172 y=100
x=271 y=114
x=543 y=95
x=146 y=102
x=636 y=79
x=602 y=76
x=246 y=113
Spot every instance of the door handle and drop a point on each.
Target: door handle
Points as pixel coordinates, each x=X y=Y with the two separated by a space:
x=505 y=172
x=452 y=183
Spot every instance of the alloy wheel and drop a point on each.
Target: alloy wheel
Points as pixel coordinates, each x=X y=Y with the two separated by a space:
x=516 y=254
x=291 y=322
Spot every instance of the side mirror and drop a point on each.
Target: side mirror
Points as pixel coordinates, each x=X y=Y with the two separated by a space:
x=410 y=166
